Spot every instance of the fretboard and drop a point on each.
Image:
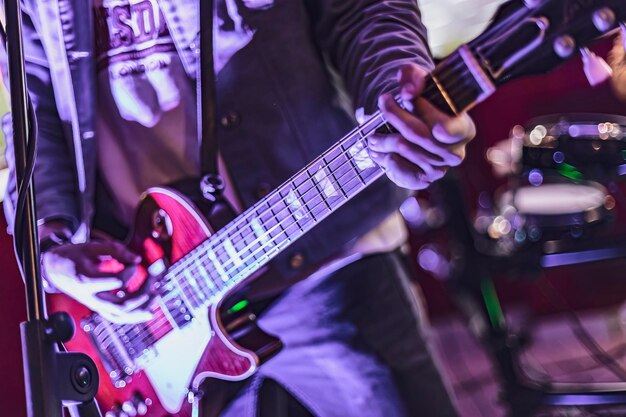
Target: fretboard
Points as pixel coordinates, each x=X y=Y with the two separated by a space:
x=259 y=234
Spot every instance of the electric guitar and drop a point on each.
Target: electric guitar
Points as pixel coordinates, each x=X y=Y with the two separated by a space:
x=156 y=368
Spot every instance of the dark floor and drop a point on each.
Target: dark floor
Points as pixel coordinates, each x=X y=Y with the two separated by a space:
x=555 y=354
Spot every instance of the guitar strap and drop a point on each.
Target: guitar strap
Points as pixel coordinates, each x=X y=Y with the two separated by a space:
x=206 y=92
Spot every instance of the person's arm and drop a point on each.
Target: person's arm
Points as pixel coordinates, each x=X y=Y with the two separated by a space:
x=55 y=181
x=379 y=47
x=367 y=41
x=77 y=270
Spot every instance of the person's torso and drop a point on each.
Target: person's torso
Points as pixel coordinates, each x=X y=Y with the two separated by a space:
x=277 y=110
x=146 y=118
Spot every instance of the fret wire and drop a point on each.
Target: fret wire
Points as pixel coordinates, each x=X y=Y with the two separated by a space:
x=356 y=171
x=184 y=278
x=351 y=160
x=234 y=280
x=276 y=237
x=320 y=192
x=265 y=201
x=168 y=316
x=202 y=270
x=334 y=176
x=205 y=277
x=277 y=219
x=310 y=213
x=216 y=282
x=360 y=186
x=291 y=212
x=190 y=276
x=198 y=293
x=183 y=295
x=187 y=298
x=232 y=277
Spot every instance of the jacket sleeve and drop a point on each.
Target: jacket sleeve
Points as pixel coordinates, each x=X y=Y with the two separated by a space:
x=54 y=176
x=368 y=40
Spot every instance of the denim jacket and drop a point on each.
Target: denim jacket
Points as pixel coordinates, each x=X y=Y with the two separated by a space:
x=278 y=100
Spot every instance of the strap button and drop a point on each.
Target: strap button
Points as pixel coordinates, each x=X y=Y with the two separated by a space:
x=230 y=120
x=262 y=190
x=296 y=261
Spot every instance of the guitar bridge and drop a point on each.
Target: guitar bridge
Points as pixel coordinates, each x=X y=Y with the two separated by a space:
x=111 y=349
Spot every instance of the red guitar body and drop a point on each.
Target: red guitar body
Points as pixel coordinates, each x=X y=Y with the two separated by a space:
x=168 y=226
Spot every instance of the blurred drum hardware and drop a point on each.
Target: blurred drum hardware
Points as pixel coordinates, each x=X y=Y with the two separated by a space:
x=559 y=168
x=551 y=211
x=576 y=146
x=555 y=210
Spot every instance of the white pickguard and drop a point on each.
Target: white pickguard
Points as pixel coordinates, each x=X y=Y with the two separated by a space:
x=174 y=360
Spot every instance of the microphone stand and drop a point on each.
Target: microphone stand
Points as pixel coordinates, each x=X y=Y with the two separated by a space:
x=53 y=378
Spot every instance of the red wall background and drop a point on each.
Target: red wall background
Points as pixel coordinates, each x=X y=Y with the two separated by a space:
x=12 y=312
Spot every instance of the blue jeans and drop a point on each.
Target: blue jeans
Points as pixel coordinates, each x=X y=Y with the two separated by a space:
x=355 y=344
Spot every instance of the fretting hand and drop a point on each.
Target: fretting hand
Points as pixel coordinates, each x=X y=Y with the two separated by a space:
x=428 y=141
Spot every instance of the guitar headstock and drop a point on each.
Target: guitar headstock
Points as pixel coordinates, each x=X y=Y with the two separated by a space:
x=534 y=36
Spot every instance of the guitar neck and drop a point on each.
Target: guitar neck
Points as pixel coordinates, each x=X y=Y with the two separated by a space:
x=259 y=234
x=262 y=232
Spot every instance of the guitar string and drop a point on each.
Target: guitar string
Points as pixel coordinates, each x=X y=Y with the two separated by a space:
x=175 y=275
x=236 y=224
x=214 y=243
x=494 y=29
x=358 y=133
x=164 y=322
x=441 y=73
x=151 y=329
x=155 y=327
x=186 y=285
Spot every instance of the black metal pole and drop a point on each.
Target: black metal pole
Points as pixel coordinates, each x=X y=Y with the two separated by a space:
x=37 y=352
x=19 y=109
x=51 y=377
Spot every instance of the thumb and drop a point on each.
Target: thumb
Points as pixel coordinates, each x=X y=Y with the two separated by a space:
x=455 y=130
x=95 y=285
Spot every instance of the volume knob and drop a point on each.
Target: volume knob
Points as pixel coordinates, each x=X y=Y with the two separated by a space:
x=129 y=408
x=604 y=19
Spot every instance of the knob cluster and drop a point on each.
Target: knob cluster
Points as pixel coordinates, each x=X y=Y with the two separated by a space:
x=136 y=406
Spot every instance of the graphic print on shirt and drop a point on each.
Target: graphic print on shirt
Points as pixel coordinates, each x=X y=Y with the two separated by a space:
x=134 y=45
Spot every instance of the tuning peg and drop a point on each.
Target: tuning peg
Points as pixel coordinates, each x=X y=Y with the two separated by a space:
x=596 y=68
x=604 y=19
